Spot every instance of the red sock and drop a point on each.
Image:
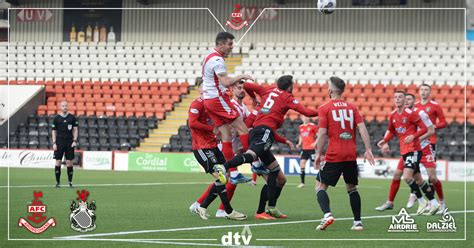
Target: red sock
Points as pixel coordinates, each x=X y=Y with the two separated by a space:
x=204 y=195
x=439 y=190
x=254 y=177
x=244 y=140
x=227 y=150
x=394 y=186
x=230 y=193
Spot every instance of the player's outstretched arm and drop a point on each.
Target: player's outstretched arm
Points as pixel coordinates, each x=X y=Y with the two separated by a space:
x=296 y=106
x=366 y=139
x=227 y=80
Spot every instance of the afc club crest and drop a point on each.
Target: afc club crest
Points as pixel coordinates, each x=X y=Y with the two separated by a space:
x=36 y=209
x=82 y=215
x=236 y=21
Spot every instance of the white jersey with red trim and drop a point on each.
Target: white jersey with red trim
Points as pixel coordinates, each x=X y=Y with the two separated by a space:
x=241 y=108
x=426 y=120
x=213 y=64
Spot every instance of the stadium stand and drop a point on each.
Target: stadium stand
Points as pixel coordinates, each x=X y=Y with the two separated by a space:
x=137 y=86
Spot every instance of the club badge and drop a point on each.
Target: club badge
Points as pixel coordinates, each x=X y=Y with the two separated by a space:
x=36 y=209
x=236 y=22
x=82 y=215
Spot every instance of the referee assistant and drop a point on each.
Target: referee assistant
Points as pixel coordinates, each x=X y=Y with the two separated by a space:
x=64 y=136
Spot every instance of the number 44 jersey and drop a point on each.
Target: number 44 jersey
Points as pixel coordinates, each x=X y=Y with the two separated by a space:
x=276 y=103
x=340 y=118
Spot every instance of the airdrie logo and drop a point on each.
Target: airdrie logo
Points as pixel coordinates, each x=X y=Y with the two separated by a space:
x=403 y=222
x=37 y=209
x=82 y=215
x=446 y=224
x=234 y=238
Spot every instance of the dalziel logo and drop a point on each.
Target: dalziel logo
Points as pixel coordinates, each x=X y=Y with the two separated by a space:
x=401 y=130
x=446 y=224
x=403 y=222
x=234 y=238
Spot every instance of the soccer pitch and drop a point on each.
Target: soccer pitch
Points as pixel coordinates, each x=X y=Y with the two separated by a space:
x=151 y=209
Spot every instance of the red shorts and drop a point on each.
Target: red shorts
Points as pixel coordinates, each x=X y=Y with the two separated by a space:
x=428 y=157
x=221 y=110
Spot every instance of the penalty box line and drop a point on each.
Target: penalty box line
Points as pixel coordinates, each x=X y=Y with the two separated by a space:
x=225 y=226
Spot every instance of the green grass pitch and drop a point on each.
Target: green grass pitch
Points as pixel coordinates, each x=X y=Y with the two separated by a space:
x=151 y=209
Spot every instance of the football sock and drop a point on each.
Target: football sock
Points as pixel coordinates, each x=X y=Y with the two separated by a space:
x=227 y=150
x=57 y=172
x=394 y=186
x=221 y=190
x=302 y=175
x=354 y=198
x=263 y=199
x=323 y=200
x=203 y=197
x=439 y=189
x=271 y=188
x=230 y=193
x=277 y=193
x=213 y=193
x=70 y=172
x=428 y=190
x=254 y=177
x=238 y=160
x=244 y=140
x=414 y=188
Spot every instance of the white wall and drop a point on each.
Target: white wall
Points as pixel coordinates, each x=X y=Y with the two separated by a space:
x=14 y=96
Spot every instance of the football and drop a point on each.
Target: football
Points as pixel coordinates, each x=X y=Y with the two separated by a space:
x=326 y=7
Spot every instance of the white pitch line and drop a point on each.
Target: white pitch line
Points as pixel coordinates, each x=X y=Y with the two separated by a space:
x=225 y=226
x=149 y=241
x=178 y=183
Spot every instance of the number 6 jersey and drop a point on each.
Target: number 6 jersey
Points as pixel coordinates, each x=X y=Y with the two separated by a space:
x=276 y=103
x=340 y=118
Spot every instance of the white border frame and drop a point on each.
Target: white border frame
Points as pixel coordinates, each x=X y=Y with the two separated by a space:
x=237 y=43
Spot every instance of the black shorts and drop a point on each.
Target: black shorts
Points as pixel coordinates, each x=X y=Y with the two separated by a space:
x=260 y=141
x=433 y=149
x=64 y=149
x=331 y=172
x=207 y=158
x=307 y=154
x=412 y=160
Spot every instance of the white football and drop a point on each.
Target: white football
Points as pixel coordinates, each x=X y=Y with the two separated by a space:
x=326 y=7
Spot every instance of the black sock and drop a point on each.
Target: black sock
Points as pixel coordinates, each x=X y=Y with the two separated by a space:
x=70 y=171
x=271 y=189
x=428 y=190
x=263 y=199
x=224 y=199
x=278 y=192
x=302 y=174
x=414 y=188
x=210 y=197
x=238 y=160
x=323 y=200
x=354 y=198
x=57 y=172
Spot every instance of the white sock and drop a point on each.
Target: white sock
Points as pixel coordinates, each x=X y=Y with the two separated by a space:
x=357 y=222
x=434 y=202
x=327 y=215
x=234 y=173
x=421 y=200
